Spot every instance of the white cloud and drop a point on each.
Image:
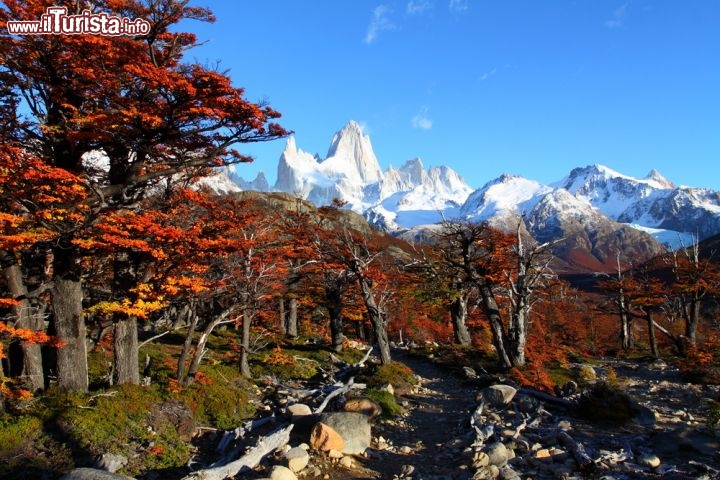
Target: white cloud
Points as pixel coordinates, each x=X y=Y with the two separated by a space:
x=458 y=5
x=417 y=7
x=618 y=17
x=487 y=75
x=380 y=22
x=421 y=120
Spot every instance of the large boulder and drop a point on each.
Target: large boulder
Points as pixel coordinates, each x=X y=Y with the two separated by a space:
x=354 y=428
x=498 y=396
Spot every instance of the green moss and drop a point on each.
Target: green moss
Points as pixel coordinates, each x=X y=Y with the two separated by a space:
x=395 y=373
x=386 y=400
x=18 y=430
x=713 y=414
x=220 y=399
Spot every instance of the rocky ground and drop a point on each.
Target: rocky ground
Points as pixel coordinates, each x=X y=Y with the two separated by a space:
x=463 y=428
x=536 y=439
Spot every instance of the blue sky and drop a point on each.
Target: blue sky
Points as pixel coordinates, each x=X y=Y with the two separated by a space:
x=486 y=87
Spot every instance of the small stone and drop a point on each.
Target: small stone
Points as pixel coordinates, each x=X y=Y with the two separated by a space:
x=335 y=454
x=543 y=453
x=507 y=473
x=564 y=425
x=363 y=405
x=315 y=472
x=298 y=410
x=388 y=388
x=587 y=372
x=111 y=462
x=405 y=450
x=497 y=453
x=297 y=459
x=304 y=446
x=282 y=473
x=481 y=459
x=649 y=460
x=469 y=372
x=347 y=462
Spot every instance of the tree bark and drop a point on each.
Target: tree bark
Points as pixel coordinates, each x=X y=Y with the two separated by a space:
x=187 y=345
x=245 y=353
x=334 y=306
x=283 y=315
x=458 y=315
x=492 y=311
x=126 y=352
x=27 y=317
x=518 y=337
x=67 y=296
x=292 y=318
x=692 y=321
x=378 y=320
x=651 y=334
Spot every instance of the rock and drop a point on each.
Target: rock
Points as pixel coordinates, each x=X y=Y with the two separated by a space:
x=405 y=450
x=587 y=373
x=649 y=460
x=470 y=373
x=347 y=462
x=363 y=405
x=497 y=452
x=507 y=473
x=93 y=474
x=486 y=473
x=111 y=462
x=335 y=454
x=388 y=388
x=297 y=459
x=354 y=429
x=543 y=454
x=642 y=415
x=564 y=425
x=298 y=410
x=324 y=438
x=282 y=473
x=498 y=395
x=481 y=459
x=314 y=472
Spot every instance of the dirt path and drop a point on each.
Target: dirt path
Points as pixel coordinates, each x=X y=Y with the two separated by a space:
x=428 y=442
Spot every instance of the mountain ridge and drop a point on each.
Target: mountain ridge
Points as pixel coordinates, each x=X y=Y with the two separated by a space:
x=595 y=203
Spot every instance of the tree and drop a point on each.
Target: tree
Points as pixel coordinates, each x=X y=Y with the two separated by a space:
x=500 y=267
x=132 y=97
x=694 y=280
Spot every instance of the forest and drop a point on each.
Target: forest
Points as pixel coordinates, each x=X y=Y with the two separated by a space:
x=122 y=273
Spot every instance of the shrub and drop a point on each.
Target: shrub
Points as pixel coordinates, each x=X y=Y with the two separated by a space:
x=606 y=402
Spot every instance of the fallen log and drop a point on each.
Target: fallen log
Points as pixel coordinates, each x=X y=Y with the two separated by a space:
x=252 y=458
x=231 y=436
x=577 y=449
x=339 y=391
x=551 y=399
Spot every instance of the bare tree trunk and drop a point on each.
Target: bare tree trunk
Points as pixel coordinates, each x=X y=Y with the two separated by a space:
x=125 y=352
x=245 y=353
x=67 y=295
x=377 y=319
x=27 y=317
x=334 y=306
x=125 y=335
x=187 y=345
x=283 y=315
x=202 y=341
x=692 y=321
x=492 y=311
x=518 y=337
x=651 y=334
x=458 y=315
x=292 y=318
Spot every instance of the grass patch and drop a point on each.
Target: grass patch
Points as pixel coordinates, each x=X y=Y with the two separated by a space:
x=395 y=373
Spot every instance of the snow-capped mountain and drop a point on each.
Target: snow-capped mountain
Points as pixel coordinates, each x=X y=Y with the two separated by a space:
x=597 y=210
x=399 y=197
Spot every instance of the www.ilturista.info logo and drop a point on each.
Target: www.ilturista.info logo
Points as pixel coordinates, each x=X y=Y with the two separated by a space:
x=56 y=21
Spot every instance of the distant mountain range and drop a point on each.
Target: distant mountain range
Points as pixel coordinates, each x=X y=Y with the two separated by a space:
x=597 y=210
